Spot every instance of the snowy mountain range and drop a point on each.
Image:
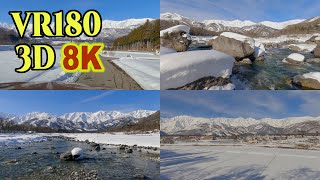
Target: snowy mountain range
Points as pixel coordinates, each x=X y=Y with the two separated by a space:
x=261 y=29
x=79 y=120
x=187 y=125
x=110 y=29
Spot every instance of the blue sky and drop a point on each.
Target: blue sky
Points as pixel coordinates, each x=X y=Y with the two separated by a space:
x=60 y=102
x=109 y=9
x=255 y=104
x=254 y=10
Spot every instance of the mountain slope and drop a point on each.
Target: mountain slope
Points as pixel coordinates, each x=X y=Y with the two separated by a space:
x=188 y=125
x=80 y=120
x=249 y=28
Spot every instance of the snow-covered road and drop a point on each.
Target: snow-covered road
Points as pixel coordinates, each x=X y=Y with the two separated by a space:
x=144 y=68
x=9 y=62
x=238 y=162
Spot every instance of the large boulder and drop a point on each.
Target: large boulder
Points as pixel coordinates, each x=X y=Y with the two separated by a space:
x=176 y=37
x=236 y=45
x=295 y=59
x=316 y=51
x=309 y=80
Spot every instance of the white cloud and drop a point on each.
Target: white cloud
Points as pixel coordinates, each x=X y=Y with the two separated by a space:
x=97 y=97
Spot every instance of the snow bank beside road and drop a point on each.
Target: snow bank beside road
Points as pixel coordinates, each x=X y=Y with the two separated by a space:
x=179 y=69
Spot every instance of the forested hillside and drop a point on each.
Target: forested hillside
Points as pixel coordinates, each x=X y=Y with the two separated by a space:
x=143 y=38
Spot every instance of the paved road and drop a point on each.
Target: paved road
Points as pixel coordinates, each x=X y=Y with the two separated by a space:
x=112 y=78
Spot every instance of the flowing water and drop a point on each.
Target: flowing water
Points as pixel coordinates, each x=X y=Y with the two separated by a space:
x=24 y=164
x=272 y=73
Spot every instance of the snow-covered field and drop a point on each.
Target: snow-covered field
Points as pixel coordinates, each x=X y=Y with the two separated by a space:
x=9 y=62
x=117 y=138
x=106 y=138
x=238 y=162
x=144 y=68
x=14 y=139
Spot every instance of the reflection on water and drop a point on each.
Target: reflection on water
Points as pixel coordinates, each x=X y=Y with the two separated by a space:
x=41 y=161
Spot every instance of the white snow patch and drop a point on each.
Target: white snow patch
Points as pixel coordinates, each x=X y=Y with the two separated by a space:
x=117 y=138
x=239 y=37
x=312 y=75
x=164 y=50
x=179 y=69
x=229 y=86
x=305 y=47
x=296 y=57
x=177 y=28
x=9 y=62
x=8 y=139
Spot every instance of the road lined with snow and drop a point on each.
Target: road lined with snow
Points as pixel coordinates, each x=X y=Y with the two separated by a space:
x=238 y=162
x=144 y=68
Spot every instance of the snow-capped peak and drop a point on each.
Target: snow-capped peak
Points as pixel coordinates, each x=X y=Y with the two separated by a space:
x=125 y=24
x=36 y=115
x=236 y=23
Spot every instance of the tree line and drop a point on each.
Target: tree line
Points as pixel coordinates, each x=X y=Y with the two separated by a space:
x=143 y=38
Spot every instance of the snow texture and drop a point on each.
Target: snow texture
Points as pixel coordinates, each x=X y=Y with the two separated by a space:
x=296 y=57
x=239 y=37
x=237 y=162
x=312 y=75
x=10 y=139
x=144 y=68
x=117 y=138
x=164 y=50
x=9 y=62
x=305 y=47
x=177 y=28
x=229 y=86
x=179 y=69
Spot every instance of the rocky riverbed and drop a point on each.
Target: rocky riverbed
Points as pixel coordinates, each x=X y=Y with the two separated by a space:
x=42 y=161
x=272 y=73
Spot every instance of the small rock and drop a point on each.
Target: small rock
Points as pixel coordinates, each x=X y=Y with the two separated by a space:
x=67 y=156
x=313 y=60
x=129 y=150
x=17 y=148
x=244 y=61
x=76 y=153
x=139 y=176
x=34 y=153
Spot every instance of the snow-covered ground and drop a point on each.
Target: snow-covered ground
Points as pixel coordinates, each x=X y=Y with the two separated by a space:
x=117 y=138
x=105 y=138
x=179 y=69
x=283 y=38
x=144 y=68
x=238 y=162
x=9 y=62
x=10 y=139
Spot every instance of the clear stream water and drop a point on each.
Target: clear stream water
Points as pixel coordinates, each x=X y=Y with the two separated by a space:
x=272 y=73
x=47 y=165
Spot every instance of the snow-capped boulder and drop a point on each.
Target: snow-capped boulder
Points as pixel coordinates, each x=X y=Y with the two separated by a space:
x=310 y=80
x=164 y=50
x=178 y=28
x=295 y=59
x=176 y=37
x=77 y=153
x=236 y=45
x=180 y=69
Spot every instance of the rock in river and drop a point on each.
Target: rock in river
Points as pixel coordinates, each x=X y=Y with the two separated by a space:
x=309 y=80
